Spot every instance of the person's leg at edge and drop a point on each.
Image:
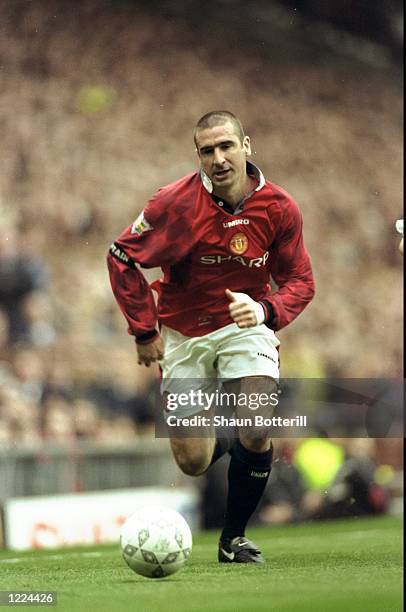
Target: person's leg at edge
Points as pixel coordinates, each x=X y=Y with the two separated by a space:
x=248 y=473
x=249 y=469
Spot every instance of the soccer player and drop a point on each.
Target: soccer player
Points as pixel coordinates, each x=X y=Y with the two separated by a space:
x=219 y=234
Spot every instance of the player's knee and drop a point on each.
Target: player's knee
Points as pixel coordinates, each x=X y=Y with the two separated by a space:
x=256 y=441
x=193 y=466
x=191 y=461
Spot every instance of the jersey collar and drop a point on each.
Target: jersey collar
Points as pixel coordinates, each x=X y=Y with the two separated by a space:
x=251 y=169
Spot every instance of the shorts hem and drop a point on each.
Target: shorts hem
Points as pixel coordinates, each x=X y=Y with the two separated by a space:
x=248 y=374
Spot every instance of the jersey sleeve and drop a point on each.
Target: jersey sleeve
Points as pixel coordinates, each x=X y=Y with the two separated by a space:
x=159 y=237
x=290 y=268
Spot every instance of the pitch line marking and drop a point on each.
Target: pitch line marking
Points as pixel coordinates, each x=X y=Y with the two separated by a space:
x=51 y=557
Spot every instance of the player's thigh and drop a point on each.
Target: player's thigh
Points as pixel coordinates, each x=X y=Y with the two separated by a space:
x=188 y=378
x=248 y=360
x=185 y=359
x=247 y=352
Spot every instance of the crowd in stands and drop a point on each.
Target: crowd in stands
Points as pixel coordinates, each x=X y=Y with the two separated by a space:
x=97 y=108
x=315 y=478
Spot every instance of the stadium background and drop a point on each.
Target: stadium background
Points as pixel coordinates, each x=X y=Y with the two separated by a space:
x=97 y=105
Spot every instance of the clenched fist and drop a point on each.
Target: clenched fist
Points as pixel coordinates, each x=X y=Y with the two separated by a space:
x=245 y=311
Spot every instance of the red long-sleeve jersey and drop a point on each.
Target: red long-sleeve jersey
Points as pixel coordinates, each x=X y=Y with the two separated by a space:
x=202 y=250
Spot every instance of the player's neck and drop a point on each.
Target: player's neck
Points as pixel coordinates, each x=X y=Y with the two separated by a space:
x=234 y=194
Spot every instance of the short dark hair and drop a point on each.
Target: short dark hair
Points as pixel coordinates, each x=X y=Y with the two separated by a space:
x=218 y=117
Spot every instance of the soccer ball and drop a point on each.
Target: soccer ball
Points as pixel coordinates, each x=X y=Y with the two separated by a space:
x=155 y=541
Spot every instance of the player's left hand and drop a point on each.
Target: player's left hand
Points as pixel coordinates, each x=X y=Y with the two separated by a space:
x=245 y=311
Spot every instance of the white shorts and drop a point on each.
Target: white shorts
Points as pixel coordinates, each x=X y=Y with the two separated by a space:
x=227 y=353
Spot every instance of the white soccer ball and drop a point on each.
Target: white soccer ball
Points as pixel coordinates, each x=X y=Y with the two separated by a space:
x=155 y=541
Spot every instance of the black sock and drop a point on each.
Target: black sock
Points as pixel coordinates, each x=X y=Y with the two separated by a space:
x=221 y=447
x=247 y=477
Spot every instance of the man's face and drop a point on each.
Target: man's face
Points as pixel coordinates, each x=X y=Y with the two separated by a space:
x=222 y=155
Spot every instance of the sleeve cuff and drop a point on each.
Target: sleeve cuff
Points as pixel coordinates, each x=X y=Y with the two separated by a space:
x=146 y=338
x=269 y=313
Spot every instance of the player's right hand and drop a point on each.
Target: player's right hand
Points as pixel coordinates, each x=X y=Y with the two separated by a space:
x=150 y=353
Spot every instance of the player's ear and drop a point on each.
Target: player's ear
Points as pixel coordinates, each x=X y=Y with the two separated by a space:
x=246 y=144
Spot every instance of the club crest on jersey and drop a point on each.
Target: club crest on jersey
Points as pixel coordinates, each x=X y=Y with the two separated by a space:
x=238 y=243
x=140 y=225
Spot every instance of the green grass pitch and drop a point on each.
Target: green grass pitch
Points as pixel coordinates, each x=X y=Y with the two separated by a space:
x=353 y=565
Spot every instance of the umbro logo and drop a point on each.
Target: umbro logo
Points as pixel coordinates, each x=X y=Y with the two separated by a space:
x=267 y=356
x=236 y=222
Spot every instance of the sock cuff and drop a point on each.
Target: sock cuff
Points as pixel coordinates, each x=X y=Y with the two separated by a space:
x=257 y=461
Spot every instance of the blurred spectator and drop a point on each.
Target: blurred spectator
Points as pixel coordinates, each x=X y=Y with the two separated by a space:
x=322 y=479
x=58 y=425
x=38 y=319
x=19 y=276
x=116 y=431
x=28 y=369
x=4 y=335
x=86 y=419
x=19 y=416
x=284 y=497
